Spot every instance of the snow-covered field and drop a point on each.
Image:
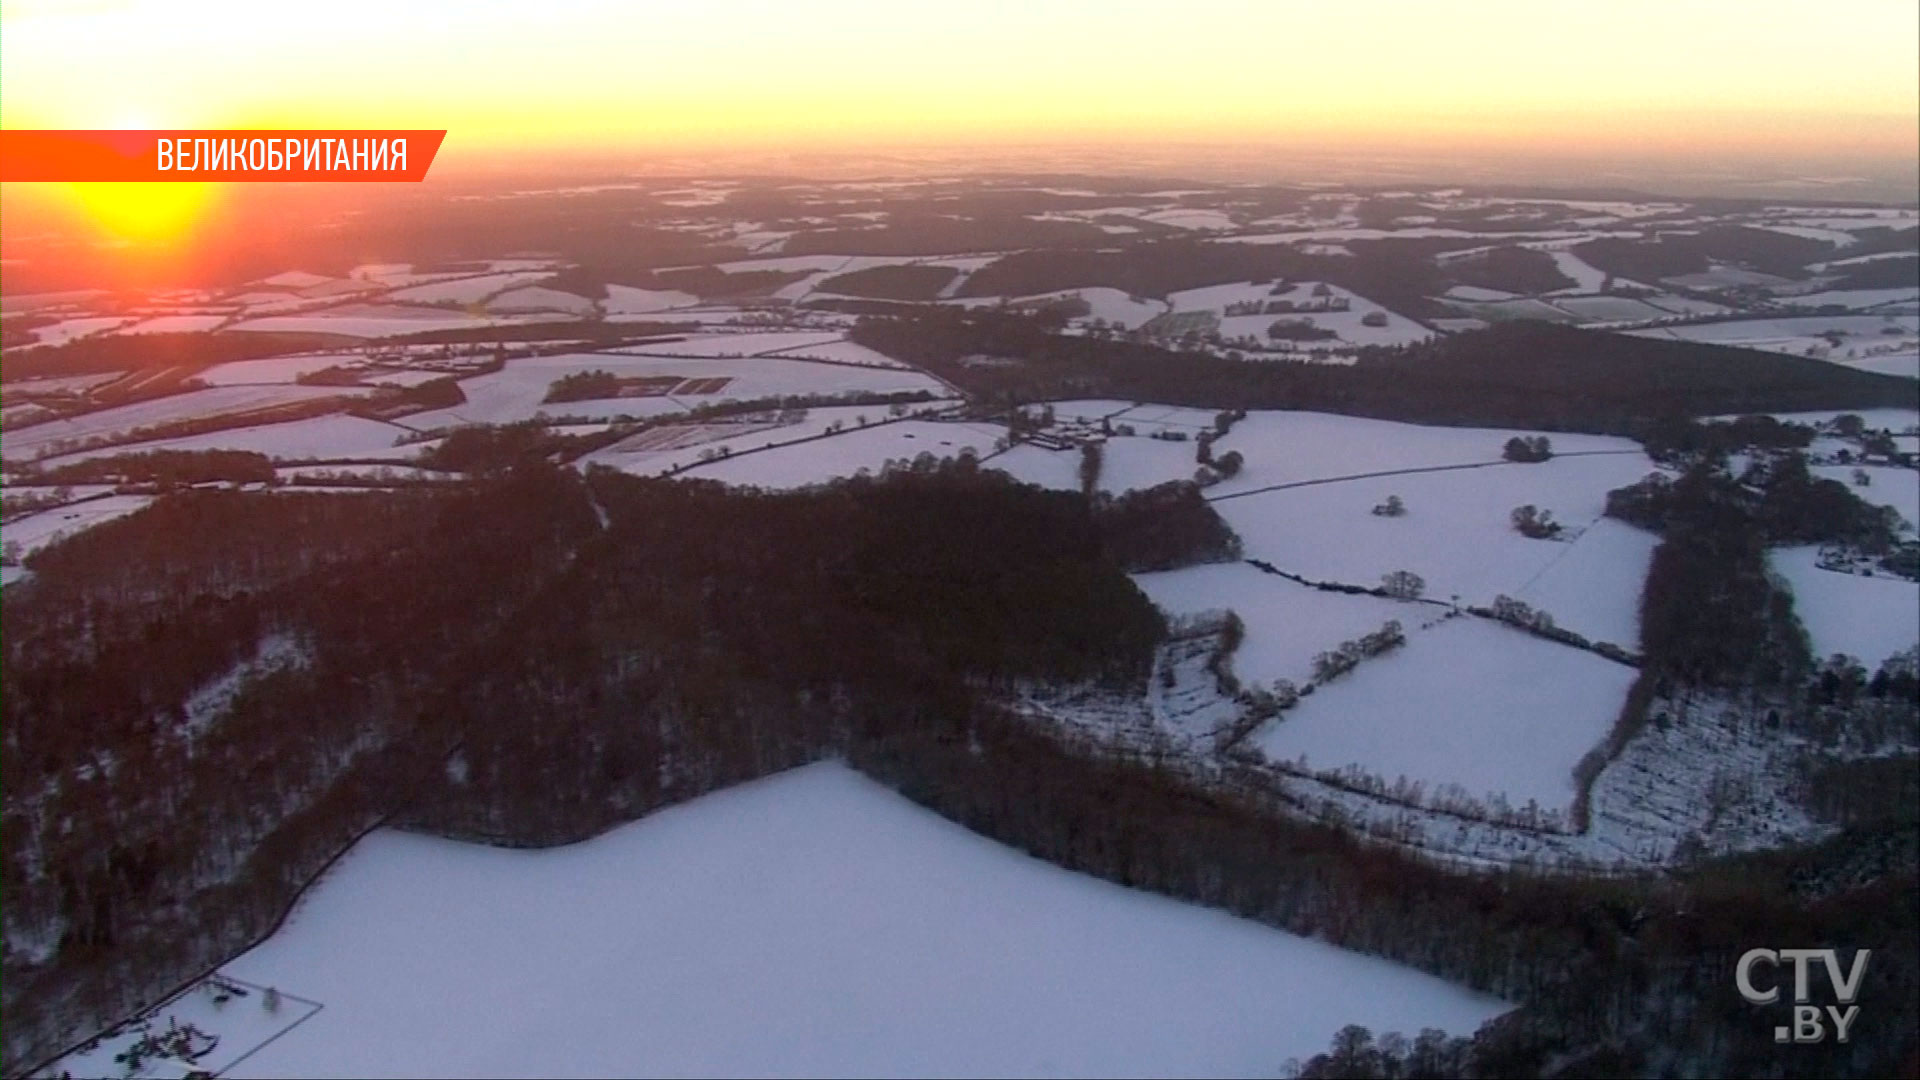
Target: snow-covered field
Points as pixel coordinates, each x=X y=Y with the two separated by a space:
x=36 y=531
x=847 y=453
x=36 y=441
x=1586 y=279
x=380 y=320
x=1609 y=308
x=517 y=392
x=1457 y=534
x=173 y=324
x=751 y=344
x=1798 y=336
x=627 y=300
x=335 y=436
x=811 y=923
x=1286 y=623
x=1114 y=306
x=275 y=369
x=467 y=290
x=1282 y=447
x=1866 y=617
x=1467 y=702
x=67 y=329
x=1593 y=587
x=539 y=298
x=842 y=352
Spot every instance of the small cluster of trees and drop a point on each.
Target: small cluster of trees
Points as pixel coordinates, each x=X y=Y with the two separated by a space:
x=1091 y=454
x=1403 y=585
x=1347 y=655
x=584 y=386
x=1534 y=523
x=1528 y=448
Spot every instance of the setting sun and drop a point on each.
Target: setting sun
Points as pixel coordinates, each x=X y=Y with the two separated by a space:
x=143 y=214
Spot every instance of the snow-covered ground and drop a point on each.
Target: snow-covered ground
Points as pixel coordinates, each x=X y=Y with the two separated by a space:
x=627 y=300
x=847 y=453
x=173 y=324
x=1866 y=617
x=1283 y=447
x=518 y=391
x=1456 y=533
x=1468 y=702
x=750 y=344
x=67 y=329
x=842 y=352
x=36 y=531
x=1114 y=306
x=538 y=298
x=1798 y=336
x=36 y=441
x=336 y=436
x=1286 y=623
x=811 y=923
x=1586 y=278
x=1886 y=486
x=275 y=369
x=1592 y=588
x=381 y=320
x=467 y=290
x=1858 y=299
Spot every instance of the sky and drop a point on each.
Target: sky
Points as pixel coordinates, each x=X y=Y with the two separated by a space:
x=1799 y=79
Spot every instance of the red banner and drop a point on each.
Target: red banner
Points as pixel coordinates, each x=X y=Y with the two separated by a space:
x=227 y=156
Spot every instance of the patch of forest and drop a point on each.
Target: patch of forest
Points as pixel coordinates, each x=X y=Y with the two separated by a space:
x=1526 y=375
x=1511 y=269
x=891 y=282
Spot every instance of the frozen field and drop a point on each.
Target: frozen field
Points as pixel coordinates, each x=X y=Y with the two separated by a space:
x=841 y=352
x=1286 y=623
x=38 y=440
x=1288 y=447
x=627 y=300
x=1593 y=587
x=36 y=531
x=1468 y=702
x=738 y=345
x=1127 y=464
x=67 y=329
x=276 y=369
x=518 y=391
x=1586 y=279
x=1456 y=533
x=336 y=436
x=467 y=290
x=681 y=445
x=811 y=923
x=1113 y=305
x=847 y=453
x=379 y=320
x=538 y=298
x=1868 y=618
x=1795 y=335
x=173 y=324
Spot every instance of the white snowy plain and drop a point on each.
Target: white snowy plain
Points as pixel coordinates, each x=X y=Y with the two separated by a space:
x=1468 y=702
x=812 y=923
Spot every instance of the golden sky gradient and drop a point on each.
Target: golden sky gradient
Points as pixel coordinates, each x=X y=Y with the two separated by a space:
x=1650 y=76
